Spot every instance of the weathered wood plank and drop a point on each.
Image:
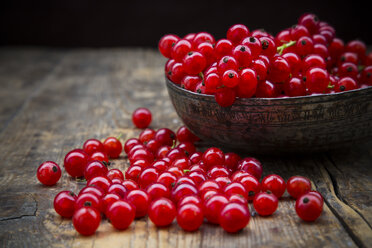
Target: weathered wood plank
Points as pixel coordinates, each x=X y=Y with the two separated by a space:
x=92 y=93
x=21 y=74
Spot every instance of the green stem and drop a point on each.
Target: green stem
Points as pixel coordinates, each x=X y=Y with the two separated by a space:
x=281 y=48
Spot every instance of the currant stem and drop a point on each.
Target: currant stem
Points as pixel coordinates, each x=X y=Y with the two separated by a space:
x=121 y=134
x=281 y=48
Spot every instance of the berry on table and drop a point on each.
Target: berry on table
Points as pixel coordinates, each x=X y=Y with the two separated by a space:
x=48 y=173
x=141 y=117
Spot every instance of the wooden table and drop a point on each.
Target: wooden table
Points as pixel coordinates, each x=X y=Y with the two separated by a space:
x=52 y=100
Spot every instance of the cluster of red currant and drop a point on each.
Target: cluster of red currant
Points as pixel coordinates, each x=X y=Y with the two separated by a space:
x=167 y=179
x=305 y=59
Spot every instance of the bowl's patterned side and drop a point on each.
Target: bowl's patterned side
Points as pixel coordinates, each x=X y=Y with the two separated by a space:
x=301 y=124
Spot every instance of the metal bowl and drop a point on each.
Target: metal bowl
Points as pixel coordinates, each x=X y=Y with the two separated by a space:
x=278 y=125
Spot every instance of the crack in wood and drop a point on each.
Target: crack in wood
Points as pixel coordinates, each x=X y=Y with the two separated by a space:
x=23 y=215
x=352 y=235
x=338 y=193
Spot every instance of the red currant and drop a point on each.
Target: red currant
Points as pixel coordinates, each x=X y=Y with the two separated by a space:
x=252 y=166
x=265 y=204
x=345 y=84
x=48 y=173
x=225 y=97
x=317 y=80
x=298 y=185
x=86 y=220
x=237 y=33
x=309 y=207
x=113 y=147
x=95 y=168
x=194 y=63
x=213 y=206
x=180 y=49
x=166 y=43
x=75 y=162
x=140 y=200
x=234 y=217
x=121 y=214
x=141 y=117
x=275 y=184
x=190 y=217
x=64 y=203
x=93 y=145
x=162 y=212
x=223 y=47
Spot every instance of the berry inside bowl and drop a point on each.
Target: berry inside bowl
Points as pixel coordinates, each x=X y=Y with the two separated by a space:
x=303 y=124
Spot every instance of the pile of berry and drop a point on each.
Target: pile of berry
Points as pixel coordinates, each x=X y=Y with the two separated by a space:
x=167 y=179
x=305 y=59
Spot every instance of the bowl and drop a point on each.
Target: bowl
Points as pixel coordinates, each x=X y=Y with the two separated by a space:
x=303 y=124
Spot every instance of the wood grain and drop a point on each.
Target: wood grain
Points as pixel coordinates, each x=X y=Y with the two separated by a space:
x=81 y=94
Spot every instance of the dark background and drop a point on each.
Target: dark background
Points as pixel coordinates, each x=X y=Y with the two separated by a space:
x=94 y=23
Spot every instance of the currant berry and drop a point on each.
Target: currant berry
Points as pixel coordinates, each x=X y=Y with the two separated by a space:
x=48 y=173
x=265 y=204
x=113 y=147
x=88 y=200
x=298 y=186
x=279 y=70
x=275 y=184
x=225 y=97
x=183 y=189
x=177 y=73
x=304 y=46
x=166 y=43
x=243 y=55
x=268 y=46
x=190 y=82
x=223 y=47
x=203 y=37
x=260 y=67
x=251 y=185
x=298 y=31
x=254 y=46
x=248 y=83
x=165 y=136
x=207 y=50
x=194 y=63
x=212 y=82
x=227 y=63
x=101 y=182
x=93 y=145
x=162 y=212
x=237 y=33
x=180 y=49
x=356 y=46
x=141 y=117
x=99 y=156
x=309 y=207
x=310 y=21
x=317 y=80
x=140 y=200
x=234 y=217
x=265 y=89
x=213 y=206
x=231 y=161
x=121 y=214
x=230 y=78
x=295 y=87
x=345 y=84
x=64 y=204
x=190 y=217
x=75 y=162
x=95 y=168
x=86 y=220
x=213 y=156
x=147 y=177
